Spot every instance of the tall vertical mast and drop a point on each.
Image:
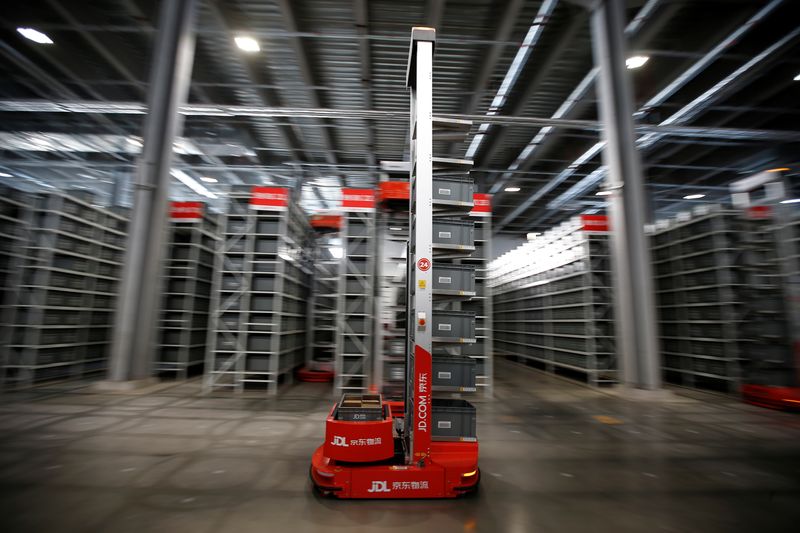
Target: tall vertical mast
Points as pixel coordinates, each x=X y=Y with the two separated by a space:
x=419 y=78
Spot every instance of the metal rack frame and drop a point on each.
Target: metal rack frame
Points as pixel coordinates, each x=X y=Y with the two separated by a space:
x=189 y=268
x=356 y=304
x=258 y=325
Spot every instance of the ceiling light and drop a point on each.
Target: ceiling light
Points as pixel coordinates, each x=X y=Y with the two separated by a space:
x=694 y=196
x=35 y=35
x=792 y=201
x=248 y=44
x=395 y=228
x=636 y=61
x=511 y=189
x=5 y=175
x=797 y=78
x=208 y=180
x=779 y=169
x=603 y=193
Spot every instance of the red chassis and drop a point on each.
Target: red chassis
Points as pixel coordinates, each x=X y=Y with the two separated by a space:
x=359 y=461
x=787 y=398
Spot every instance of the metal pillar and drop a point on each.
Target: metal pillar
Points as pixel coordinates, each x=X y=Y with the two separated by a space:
x=637 y=347
x=119 y=181
x=135 y=323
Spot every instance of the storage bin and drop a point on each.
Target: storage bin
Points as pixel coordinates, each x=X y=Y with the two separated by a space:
x=453 y=234
x=453 y=420
x=453 y=326
x=453 y=279
x=453 y=191
x=454 y=372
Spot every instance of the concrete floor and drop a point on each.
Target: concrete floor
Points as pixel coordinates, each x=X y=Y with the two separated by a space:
x=555 y=457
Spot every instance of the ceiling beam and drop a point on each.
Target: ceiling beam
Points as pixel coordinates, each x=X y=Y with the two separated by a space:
x=303 y=61
x=681 y=116
x=288 y=133
x=361 y=11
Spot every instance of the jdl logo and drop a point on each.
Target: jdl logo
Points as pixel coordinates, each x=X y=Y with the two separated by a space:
x=380 y=486
x=339 y=441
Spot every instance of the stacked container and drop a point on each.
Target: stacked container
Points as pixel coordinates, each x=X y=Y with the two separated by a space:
x=259 y=309
x=552 y=301
x=61 y=320
x=193 y=235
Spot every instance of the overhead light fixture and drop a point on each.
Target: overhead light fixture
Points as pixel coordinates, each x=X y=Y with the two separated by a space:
x=636 y=61
x=395 y=228
x=248 y=44
x=779 y=169
x=603 y=193
x=797 y=78
x=5 y=175
x=209 y=180
x=694 y=196
x=35 y=35
x=511 y=189
x=791 y=201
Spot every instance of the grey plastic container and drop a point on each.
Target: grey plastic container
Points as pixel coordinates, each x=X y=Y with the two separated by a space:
x=453 y=326
x=453 y=234
x=454 y=372
x=453 y=191
x=453 y=279
x=454 y=420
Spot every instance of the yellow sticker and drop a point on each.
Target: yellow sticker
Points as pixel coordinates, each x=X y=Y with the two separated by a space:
x=422 y=284
x=605 y=419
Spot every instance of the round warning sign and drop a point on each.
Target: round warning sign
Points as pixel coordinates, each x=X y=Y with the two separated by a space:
x=424 y=264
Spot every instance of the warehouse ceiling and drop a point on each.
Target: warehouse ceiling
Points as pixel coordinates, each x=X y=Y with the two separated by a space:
x=323 y=102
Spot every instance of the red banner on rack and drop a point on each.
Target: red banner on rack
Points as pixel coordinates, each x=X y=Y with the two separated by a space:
x=269 y=198
x=389 y=191
x=358 y=199
x=759 y=212
x=482 y=205
x=594 y=222
x=186 y=210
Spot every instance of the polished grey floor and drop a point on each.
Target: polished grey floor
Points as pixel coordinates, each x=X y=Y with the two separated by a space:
x=555 y=457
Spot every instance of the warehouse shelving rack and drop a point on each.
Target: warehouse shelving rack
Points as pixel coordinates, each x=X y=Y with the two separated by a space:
x=699 y=295
x=481 y=303
x=770 y=266
x=193 y=235
x=15 y=225
x=328 y=258
x=261 y=286
x=433 y=453
x=62 y=317
x=390 y=332
x=356 y=286
x=553 y=302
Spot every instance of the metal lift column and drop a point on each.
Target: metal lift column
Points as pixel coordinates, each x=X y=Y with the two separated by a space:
x=419 y=78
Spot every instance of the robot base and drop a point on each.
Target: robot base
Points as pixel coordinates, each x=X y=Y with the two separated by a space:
x=786 y=398
x=451 y=472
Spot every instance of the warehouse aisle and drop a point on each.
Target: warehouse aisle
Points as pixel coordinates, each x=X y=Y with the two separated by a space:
x=555 y=457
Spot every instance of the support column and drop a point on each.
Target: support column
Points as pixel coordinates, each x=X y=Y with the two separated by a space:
x=634 y=296
x=137 y=309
